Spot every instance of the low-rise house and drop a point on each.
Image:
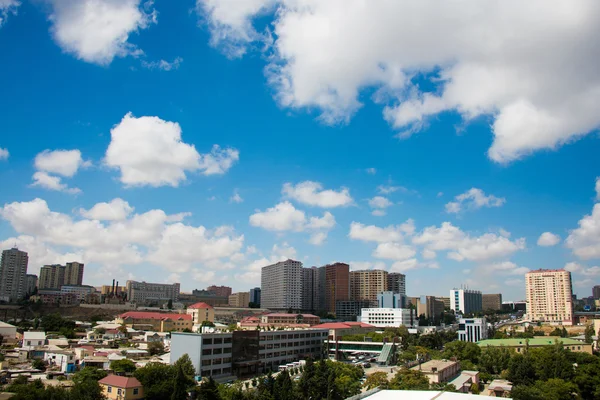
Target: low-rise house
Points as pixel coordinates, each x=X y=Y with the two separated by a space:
x=499 y=388
x=201 y=312
x=339 y=329
x=156 y=321
x=465 y=381
x=8 y=331
x=438 y=371
x=31 y=339
x=101 y=362
x=65 y=360
x=156 y=336
x=121 y=388
x=519 y=345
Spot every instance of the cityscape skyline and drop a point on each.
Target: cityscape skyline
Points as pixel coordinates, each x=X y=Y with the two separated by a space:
x=154 y=158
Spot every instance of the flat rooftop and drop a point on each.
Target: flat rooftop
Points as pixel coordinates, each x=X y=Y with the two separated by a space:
x=439 y=364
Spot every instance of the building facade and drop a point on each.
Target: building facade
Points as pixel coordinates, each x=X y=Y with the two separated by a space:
x=388 y=317
x=349 y=310
x=281 y=286
x=201 y=312
x=221 y=291
x=246 y=353
x=81 y=292
x=240 y=299
x=151 y=293
x=156 y=321
x=13 y=269
x=491 y=302
x=310 y=296
x=430 y=307
x=337 y=285
x=51 y=276
x=391 y=300
x=255 y=296
x=549 y=296
x=397 y=283
x=74 y=273
x=365 y=285
x=472 y=329
x=31 y=282
x=596 y=292
x=465 y=301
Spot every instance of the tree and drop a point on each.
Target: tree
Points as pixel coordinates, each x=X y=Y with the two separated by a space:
x=475 y=388
x=589 y=334
x=179 y=385
x=462 y=351
x=170 y=304
x=123 y=366
x=377 y=380
x=521 y=370
x=100 y=331
x=209 y=324
x=86 y=386
x=284 y=388
x=408 y=379
x=494 y=360
x=209 y=390
x=39 y=364
x=156 y=348
x=157 y=379
x=186 y=364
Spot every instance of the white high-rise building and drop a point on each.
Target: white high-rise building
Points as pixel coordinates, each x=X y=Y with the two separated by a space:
x=472 y=329
x=549 y=296
x=388 y=317
x=281 y=286
x=13 y=268
x=466 y=301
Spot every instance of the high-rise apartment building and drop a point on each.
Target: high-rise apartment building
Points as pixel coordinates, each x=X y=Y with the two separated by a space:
x=366 y=284
x=151 y=293
x=221 y=291
x=30 y=283
x=391 y=300
x=397 y=283
x=596 y=292
x=310 y=296
x=240 y=299
x=51 y=276
x=73 y=273
x=337 y=284
x=465 y=301
x=549 y=296
x=491 y=302
x=13 y=268
x=255 y=296
x=281 y=285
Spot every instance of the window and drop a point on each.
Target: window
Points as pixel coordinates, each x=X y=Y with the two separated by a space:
x=119 y=392
x=136 y=391
x=109 y=389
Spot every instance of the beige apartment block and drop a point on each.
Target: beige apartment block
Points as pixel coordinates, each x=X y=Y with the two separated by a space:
x=366 y=284
x=240 y=299
x=549 y=296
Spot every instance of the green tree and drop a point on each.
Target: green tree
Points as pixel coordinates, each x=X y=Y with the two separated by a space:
x=494 y=360
x=377 y=380
x=39 y=364
x=408 y=379
x=521 y=370
x=86 y=385
x=179 y=385
x=123 y=366
x=186 y=364
x=552 y=389
x=462 y=351
x=284 y=388
x=156 y=348
x=475 y=388
x=589 y=334
x=157 y=379
x=209 y=390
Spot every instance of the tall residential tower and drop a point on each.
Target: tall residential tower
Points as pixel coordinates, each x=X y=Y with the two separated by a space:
x=549 y=296
x=281 y=286
x=13 y=268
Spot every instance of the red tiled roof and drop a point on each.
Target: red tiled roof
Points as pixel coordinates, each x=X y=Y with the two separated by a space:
x=120 y=382
x=154 y=315
x=291 y=315
x=341 y=325
x=361 y=324
x=200 y=305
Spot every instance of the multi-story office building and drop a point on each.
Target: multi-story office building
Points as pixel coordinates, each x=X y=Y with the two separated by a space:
x=596 y=292
x=151 y=293
x=310 y=285
x=13 y=269
x=365 y=285
x=446 y=301
x=337 y=284
x=465 y=301
x=255 y=296
x=349 y=310
x=31 y=281
x=246 y=353
x=430 y=307
x=391 y=300
x=240 y=299
x=472 y=329
x=51 y=276
x=81 y=292
x=388 y=317
x=73 y=273
x=397 y=283
x=491 y=302
x=221 y=291
x=549 y=296
x=281 y=286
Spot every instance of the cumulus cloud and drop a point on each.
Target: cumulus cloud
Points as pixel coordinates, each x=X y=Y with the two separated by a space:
x=379 y=204
x=462 y=246
x=597 y=188
x=162 y=65
x=583 y=270
x=4 y=154
x=533 y=73
x=97 y=31
x=312 y=194
x=60 y=162
x=372 y=233
x=7 y=7
x=150 y=151
x=249 y=275
x=473 y=199
x=584 y=241
x=116 y=210
x=102 y=236
x=371 y=171
x=362 y=265
x=236 y=198
x=548 y=239
x=51 y=182
x=508 y=268
x=394 y=251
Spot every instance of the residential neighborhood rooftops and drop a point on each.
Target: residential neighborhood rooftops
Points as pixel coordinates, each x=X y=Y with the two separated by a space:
x=154 y=315
x=290 y=315
x=200 y=305
x=120 y=381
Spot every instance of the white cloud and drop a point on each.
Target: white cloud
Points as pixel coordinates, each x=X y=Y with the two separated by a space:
x=163 y=65
x=312 y=194
x=597 y=188
x=583 y=270
x=362 y=265
x=548 y=239
x=440 y=194
x=152 y=236
x=372 y=233
x=584 y=241
x=51 y=182
x=60 y=162
x=318 y=238
x=327 y=221
x=394 y=251
x=8 y=7
x=117 y=210
x=515 y=282
x=149 y=151
x=462 y=246
x=389 y=189
x=322 y=60
x=236 y=198
x=428 y=254
x=473 y=199
x=371 y=171
x=508 y=268
x=413 y=263
x=97 y=31
x=379 y=204
x=4 y=154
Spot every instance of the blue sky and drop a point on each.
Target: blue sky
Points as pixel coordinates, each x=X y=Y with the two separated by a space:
x=385 y=146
